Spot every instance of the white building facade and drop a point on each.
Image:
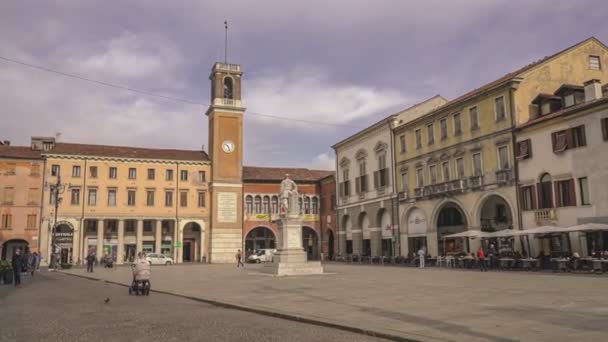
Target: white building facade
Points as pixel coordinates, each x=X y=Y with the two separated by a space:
x=563 y=168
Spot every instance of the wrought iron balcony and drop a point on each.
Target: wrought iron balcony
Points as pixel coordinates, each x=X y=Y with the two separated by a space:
x=403 y=195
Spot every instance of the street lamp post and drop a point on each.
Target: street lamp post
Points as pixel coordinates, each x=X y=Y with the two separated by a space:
x=56 y=189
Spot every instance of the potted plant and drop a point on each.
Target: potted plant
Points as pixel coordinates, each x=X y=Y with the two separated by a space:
x=6 y=272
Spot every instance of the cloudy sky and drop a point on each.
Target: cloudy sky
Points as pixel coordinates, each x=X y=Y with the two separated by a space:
x=345 y=63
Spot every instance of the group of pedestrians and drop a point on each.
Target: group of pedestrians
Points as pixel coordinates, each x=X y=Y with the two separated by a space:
x=26 y=263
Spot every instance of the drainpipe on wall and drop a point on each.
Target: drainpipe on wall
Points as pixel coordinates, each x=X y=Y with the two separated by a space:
x=514 y=144
x=84 y=198
x=176 y=226
x=394 y=200
x=43 y=176
x=337 y=189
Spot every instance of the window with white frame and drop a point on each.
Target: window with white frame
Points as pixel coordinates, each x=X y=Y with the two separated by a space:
x=445 y=166
x=433 y=173
x=404 y=181
x=594 y=63
x=131 y=197
x=420 y=177
x=92 y=200
x=402 y=143
x=460 y=167
x=113 y=172
x=457 y=124
x=258 y=205
x=150 y=198
x=111 y=197
x=477 y=171
x=499 y=108
x=584 y=190
x=275 y=204
x=430 y=134
x=503 y=157
x=418 y=138
x=249 y=204
x=474 y=118
x=443 y=124
x=75 y=171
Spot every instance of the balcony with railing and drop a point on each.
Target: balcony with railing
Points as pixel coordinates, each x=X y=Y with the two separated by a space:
x=450 y=187
x=543 y=216
x=504 y=177
x=476 y=182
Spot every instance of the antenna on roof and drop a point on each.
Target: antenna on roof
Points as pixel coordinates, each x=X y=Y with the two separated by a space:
x=226 y=42
x=57 y=136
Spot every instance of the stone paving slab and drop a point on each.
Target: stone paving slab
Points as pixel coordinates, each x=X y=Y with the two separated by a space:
x=422 y=305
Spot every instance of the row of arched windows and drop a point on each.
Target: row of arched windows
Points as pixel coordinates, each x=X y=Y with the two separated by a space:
x=270 y=205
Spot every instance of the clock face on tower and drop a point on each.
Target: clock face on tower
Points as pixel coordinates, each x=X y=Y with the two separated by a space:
x=228 y=146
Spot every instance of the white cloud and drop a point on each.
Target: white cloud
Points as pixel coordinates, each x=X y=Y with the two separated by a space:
x=309 y=94
x=130 y=56
x=324 y=161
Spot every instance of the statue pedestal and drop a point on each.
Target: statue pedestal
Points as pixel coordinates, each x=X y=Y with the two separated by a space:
x=290 y=258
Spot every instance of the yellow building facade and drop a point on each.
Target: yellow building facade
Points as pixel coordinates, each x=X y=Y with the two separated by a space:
x=121 y=200
x=20 y=198
x=455 y=166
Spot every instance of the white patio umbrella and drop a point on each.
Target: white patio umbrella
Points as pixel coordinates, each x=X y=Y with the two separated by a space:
x=539 y=230
x=502 y=233
x=467 y=234
x=585 y=227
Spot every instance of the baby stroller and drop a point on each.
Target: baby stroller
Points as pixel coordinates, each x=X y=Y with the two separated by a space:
x=141 y=278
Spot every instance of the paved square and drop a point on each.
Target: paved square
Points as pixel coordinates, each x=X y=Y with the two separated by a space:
x=426 y=305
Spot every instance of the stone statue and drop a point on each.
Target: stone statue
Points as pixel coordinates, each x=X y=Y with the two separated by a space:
x=289 y=196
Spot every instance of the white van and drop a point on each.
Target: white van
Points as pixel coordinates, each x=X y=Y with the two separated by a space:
x=262 y=255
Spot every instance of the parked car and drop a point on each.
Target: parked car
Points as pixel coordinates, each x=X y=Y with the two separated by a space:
x=262 y=255
x=158 y=259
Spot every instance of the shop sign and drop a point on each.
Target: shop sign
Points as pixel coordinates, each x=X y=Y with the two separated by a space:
x=64 y=239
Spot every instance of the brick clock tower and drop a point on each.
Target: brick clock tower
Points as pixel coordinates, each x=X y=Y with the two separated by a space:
x=226 y=153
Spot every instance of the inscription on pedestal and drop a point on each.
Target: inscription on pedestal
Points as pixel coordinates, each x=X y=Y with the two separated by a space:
x=226 y=207
x=294 y=240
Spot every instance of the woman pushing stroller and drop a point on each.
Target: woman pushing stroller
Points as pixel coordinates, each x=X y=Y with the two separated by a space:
x=141 y=276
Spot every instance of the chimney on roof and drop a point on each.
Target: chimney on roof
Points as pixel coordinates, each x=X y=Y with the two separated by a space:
x=593 y=90
x=6 y=143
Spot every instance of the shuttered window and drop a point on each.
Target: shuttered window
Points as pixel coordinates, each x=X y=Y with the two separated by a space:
x=524 y=149
x=569 y=138
x=528 y=197
x=564 y=193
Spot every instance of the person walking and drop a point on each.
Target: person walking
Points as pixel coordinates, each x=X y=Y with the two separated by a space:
x=17 y=264
x=492 y=256
x=481 y=259
x=90 y=261
x=34 y=263
x=239 y=259
x=422 y=255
